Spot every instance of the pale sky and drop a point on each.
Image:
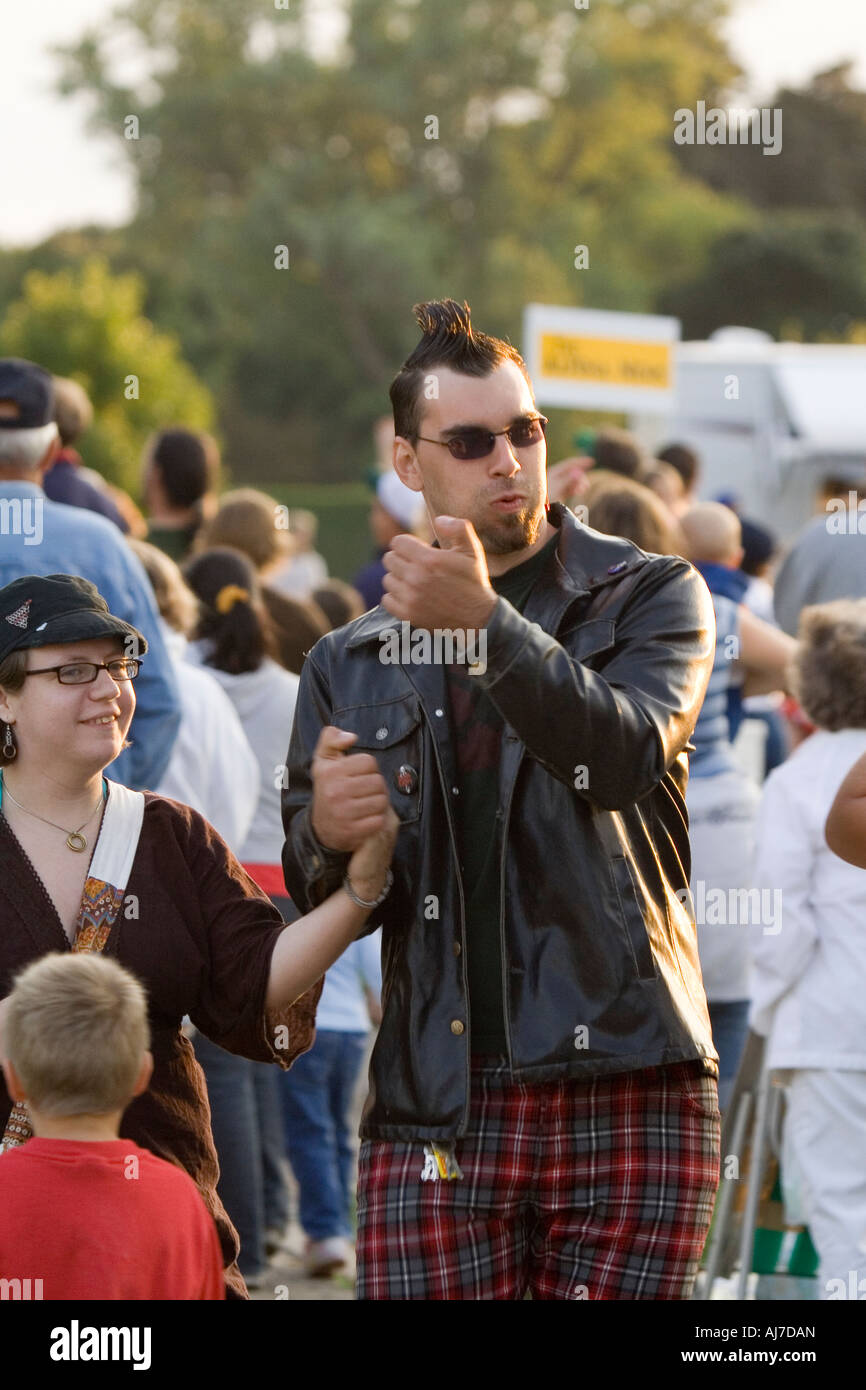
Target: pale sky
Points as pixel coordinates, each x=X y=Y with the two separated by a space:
x=57 y=175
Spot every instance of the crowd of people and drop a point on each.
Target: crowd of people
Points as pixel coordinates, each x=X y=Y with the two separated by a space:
x=712 y=692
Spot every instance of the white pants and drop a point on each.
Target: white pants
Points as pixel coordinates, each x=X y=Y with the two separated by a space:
x=722 y=811
x=824 y=1173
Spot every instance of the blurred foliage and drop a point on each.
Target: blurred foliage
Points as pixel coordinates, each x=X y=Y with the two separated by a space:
x=823 y=151
x=798 y=271
x=554 y=128
x=87 y=324
x=797 y=275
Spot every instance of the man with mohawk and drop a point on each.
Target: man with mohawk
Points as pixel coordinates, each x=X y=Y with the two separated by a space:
x=543 y=1112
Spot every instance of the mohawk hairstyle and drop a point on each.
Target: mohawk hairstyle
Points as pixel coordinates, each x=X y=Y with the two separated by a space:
x=447 y=340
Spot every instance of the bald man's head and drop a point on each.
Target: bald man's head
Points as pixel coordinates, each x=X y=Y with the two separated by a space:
x=713 y=534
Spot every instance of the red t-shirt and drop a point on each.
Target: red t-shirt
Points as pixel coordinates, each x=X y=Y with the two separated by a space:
x=103 y=1219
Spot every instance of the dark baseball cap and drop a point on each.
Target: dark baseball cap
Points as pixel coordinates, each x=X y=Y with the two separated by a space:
x=758 y=544
x=31 y=388
x=40 y=610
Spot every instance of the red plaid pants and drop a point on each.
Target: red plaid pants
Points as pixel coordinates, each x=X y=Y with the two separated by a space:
x=597 y=1189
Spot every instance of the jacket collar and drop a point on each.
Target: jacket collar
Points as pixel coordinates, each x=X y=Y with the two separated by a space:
x=584 y=560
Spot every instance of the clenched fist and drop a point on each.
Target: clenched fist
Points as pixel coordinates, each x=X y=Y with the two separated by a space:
x=350 y=798
x=446 y=588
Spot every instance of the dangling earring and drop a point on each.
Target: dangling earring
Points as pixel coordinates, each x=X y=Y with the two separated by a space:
x=10 y=747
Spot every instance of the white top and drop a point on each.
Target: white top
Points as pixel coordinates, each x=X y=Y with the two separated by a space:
x=265 y=703
x=758 y=598
x=809 y=978
x=300 y=575
x=343 y=1005
x=212 y=766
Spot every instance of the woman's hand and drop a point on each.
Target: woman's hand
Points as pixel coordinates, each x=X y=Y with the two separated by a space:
x=369 y=863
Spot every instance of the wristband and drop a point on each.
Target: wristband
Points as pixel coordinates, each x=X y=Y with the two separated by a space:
x=389 y=879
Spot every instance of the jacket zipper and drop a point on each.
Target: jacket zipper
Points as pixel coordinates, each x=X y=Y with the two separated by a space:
x=506 y=816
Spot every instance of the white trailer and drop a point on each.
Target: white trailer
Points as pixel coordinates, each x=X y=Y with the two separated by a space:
x=769 y=421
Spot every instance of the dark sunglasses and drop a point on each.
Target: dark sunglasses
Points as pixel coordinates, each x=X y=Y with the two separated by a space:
x=124 y=668
x=475 y=443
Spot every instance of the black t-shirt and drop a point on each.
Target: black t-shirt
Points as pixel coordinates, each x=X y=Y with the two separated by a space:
x=476 y=726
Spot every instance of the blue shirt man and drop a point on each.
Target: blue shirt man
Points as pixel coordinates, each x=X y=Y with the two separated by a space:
x=38 y=536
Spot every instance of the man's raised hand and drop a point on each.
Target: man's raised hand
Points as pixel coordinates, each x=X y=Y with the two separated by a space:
x=445 y=588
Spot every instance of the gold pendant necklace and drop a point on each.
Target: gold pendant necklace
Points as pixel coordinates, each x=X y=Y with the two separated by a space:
x=74 y=838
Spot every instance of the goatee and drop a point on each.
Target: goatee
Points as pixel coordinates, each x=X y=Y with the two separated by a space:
x=516 y=531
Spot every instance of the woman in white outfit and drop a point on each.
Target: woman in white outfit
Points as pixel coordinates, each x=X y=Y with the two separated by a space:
x=234 y=643
x=212 y=767
x=809 y=981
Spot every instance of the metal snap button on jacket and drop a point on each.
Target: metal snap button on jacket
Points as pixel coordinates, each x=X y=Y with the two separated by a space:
x=405 y=779
x=457 y=1026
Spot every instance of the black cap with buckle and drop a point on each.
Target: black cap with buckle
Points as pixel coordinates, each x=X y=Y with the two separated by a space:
x=41 y=610
x=30 y=389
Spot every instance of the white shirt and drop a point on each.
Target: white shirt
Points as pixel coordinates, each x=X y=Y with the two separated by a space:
x=343 y=1005
x=212 y=766
x=265 y=703
x=758 y=598
x=300 y=575
x=809 y=975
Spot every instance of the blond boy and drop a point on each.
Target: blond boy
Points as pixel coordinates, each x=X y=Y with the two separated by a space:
x=85 y=1214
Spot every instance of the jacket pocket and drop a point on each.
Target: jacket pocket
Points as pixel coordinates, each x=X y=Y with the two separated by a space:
x=632 y=918
x=393 y=733
x=586 y=639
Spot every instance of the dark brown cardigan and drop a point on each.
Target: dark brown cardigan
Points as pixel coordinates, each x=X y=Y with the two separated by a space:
x=198 y=934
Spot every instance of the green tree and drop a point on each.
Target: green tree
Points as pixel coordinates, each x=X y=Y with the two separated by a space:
x=795 y=275
x=451 y=148
x=88 y=324
x=822 y=157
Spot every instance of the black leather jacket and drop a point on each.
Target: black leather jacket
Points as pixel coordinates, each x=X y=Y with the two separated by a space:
x=599 y=685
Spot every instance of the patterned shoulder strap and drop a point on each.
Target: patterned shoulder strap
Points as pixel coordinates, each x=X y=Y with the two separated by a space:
x=100 y=906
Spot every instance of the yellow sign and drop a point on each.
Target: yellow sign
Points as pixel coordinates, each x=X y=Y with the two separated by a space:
x=607 y=361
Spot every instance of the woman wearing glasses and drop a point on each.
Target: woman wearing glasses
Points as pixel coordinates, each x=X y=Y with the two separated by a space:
x=87 y=864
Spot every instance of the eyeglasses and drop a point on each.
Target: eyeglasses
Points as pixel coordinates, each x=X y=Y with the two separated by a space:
x=124 y=668
x=475 y=443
